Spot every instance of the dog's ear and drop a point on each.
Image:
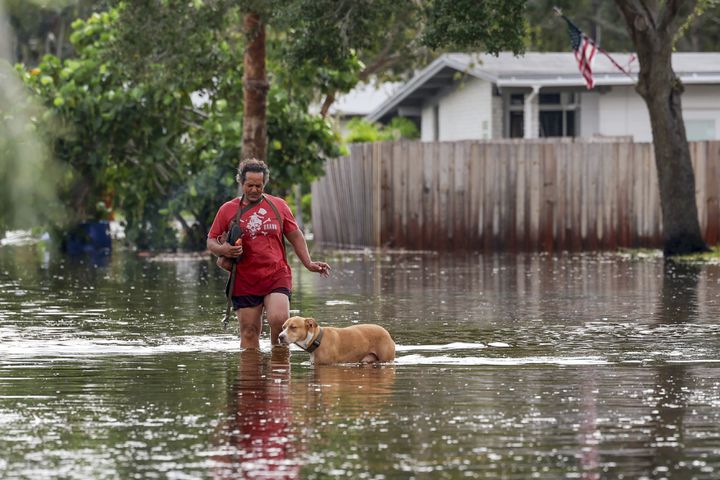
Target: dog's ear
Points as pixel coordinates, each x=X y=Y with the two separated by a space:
x=310 y=323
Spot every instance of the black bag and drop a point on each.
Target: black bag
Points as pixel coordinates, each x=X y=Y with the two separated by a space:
x=231 y=236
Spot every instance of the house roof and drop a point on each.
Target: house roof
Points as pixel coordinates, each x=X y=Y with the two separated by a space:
x=535 y=69
x=363 y=99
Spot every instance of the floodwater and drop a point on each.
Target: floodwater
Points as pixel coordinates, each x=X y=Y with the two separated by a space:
x=515 y=367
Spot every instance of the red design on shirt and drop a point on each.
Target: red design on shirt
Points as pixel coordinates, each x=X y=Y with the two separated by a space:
x=262 y=266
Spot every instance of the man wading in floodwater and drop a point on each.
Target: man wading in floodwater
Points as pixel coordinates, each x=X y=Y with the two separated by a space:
x=263 y=279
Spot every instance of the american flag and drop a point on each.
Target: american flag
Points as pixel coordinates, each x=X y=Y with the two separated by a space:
x=585 y=50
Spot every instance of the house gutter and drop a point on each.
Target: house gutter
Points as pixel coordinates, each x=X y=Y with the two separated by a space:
x=600 y=80
x=529 y=119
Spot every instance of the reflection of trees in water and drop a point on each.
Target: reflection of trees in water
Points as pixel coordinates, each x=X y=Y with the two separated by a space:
x=678 y=305
x=500 y=291
x=258 y=436
x=663 y=445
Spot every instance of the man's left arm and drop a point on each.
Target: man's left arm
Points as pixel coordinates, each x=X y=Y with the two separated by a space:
x=297 y=240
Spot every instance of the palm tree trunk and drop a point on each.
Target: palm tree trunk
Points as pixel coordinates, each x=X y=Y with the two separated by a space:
x=255 y=88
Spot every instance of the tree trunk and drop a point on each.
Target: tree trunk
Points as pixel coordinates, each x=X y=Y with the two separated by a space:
x=652 y=33
x=255 y=88
x=681 y=229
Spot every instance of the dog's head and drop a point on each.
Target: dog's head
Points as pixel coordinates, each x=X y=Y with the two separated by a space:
x=296 y=329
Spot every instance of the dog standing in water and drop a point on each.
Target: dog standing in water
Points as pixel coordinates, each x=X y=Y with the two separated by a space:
x=367 y=343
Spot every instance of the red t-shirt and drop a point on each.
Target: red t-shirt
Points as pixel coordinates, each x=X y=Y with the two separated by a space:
x=262 y=267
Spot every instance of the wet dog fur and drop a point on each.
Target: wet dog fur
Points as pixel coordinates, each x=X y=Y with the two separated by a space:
x=366 y=343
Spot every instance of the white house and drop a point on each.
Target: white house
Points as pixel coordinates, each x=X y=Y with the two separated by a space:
x=478 y=96
x=358 y=102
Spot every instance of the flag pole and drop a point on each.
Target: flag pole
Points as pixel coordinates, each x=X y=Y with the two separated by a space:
x=559 y=13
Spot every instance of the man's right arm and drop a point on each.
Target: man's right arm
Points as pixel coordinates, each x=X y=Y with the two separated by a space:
x=223 y=249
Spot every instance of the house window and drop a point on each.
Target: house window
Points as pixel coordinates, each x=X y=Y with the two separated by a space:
x=557 y=123
x=549 y=99
x=551 y=124
x=436 y=122
x=570 y=123
x=700 y=129
x=557 y=116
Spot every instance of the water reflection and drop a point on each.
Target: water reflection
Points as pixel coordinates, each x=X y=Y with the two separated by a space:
x=352 y=391
x=258 y=436
x=590 y=435
x=516 y=367
x=678 y=305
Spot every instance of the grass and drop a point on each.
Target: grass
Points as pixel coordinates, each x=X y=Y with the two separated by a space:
x=713 y=256
x=639 y=253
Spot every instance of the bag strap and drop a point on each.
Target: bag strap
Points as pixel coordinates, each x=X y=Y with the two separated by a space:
x=280 y=221
x=277 y=212
x=241 y=210
x=233 y=270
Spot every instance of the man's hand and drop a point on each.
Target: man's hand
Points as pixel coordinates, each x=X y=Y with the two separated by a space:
x=232 y=251
x=319 y=267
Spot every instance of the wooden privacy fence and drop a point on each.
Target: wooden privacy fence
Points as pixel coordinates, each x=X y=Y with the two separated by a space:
x=503 y=195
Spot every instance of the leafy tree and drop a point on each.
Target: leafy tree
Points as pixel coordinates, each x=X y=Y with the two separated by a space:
x=116 y=137
x=603 y=22
x=490 y=25
x=213 y=146
x=384 y=37
x=144 y=142
x=600 y=19
x=343 y=41
x=653 y=28
x=41 y=27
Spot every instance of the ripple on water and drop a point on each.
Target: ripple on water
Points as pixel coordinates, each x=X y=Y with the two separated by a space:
x=497 y=361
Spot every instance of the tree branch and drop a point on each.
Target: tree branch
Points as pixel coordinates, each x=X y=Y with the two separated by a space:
x=669 y=16
x=327 y=104
x=639 y=16
x=378 y=66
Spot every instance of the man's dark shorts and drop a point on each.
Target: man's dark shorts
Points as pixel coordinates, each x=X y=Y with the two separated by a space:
x=247 y=301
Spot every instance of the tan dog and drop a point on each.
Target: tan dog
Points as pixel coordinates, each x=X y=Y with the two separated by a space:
x=359 y=343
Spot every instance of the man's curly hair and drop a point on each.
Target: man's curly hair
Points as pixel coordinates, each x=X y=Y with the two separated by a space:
x=252 y=165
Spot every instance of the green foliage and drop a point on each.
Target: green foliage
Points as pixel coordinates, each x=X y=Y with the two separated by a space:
x=27 y=173
x=489 y=25
x=212 y=48
x=401 y=127
x=117 y=138
x=382 y=34
x=712 y=256
x=601 y=20
x=704 y=10
x=185 y=43
x=144 y=146
x=41 y=27
x=361 y=131
x=298 y=143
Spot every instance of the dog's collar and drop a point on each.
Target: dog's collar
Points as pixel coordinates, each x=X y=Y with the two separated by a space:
x=315 y=343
